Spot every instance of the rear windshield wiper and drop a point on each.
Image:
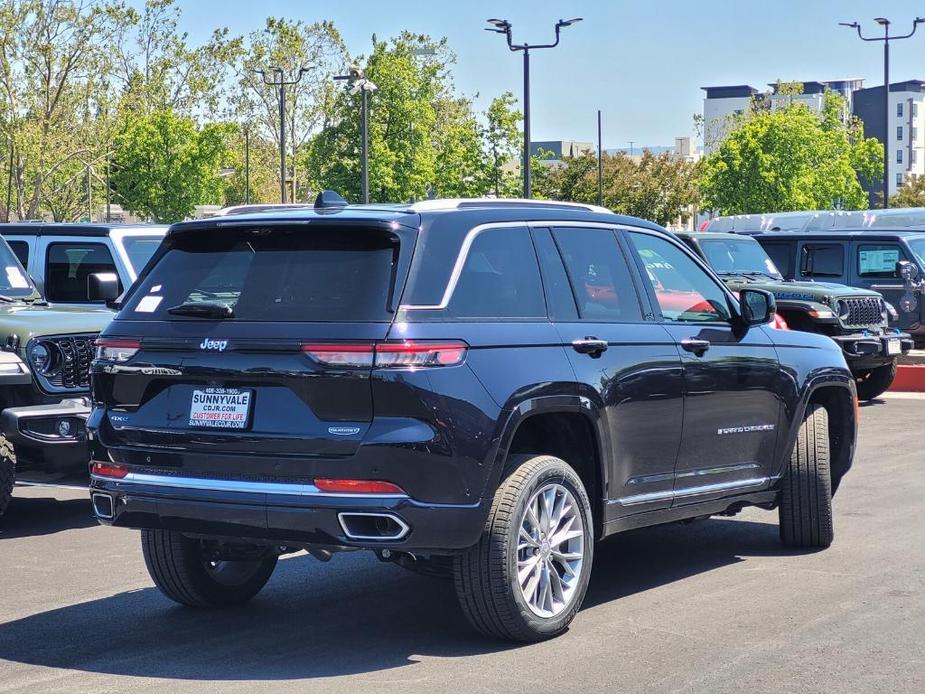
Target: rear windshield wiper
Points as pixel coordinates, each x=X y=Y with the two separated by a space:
x=204 y=309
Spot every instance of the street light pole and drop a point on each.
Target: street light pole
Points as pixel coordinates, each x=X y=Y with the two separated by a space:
x=247 y=165
x=886 y=38
x=280 y=83
x=502 y=26
x=360 y=83
x=600 y=162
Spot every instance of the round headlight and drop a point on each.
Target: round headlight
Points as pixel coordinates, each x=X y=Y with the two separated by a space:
x=43 y=358
x=842 y=309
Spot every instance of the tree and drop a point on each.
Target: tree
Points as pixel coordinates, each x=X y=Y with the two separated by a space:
x=790 y=158
x=656 y=187
x=501 y=137
x=165 y=165
x=912 y=194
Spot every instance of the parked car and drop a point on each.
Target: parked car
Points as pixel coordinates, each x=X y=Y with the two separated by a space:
x=856 y=318
x=483 y=387
x=44 y=380
x=888 y=261
x=61 y=257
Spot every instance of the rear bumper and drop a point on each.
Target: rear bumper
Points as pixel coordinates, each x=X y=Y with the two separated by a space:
x=870 y=351
x=40 y=441
x=258 y=512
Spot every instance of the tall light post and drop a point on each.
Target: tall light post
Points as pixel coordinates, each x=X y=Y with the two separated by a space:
x=280 y=82
x=358 y=82
x=886 y=38
x=502 y=26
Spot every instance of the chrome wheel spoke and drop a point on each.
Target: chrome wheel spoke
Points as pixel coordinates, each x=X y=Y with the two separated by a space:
x=550 y=550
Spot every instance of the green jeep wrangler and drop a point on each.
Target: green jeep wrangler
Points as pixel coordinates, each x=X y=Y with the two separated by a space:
x=45 y=354
x=857 y=319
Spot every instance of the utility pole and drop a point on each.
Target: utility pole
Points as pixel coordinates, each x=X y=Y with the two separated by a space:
x=502 y=26
x=108 y=189
x=600 y=162
x=886 y=38
x=279 y=82
x=247 y=165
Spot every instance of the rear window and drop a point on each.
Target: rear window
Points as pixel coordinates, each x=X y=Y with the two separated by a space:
x=298 y=275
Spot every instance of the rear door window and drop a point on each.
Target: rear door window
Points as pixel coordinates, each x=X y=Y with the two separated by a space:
x=278 y=275
x=598 y=274
x=69 y=266
x=500 y=278
x=822 y=260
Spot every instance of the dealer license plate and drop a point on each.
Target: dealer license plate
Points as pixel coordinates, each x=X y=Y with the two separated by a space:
x=893 y=346
x=220 y=408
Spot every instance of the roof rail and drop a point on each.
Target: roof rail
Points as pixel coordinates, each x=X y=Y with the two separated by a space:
x=457 y=203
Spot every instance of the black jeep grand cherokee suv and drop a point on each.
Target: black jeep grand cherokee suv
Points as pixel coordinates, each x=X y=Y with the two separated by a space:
x=478 y=388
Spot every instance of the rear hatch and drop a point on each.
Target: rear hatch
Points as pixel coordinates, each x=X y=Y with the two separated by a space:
x=240 y=334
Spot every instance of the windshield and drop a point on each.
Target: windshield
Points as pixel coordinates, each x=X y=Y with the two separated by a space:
x=285 y=274
x=738 y=256
x=918 y=249
x=13 y=280
x=139 y=249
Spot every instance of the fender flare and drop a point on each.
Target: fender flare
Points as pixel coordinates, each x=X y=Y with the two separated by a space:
x=513 y=417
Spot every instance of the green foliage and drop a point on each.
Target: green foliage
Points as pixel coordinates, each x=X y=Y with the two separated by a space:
x=501 y=144
x=656 y=187
x=912 y=194
x=790 y=158
x=165 y=165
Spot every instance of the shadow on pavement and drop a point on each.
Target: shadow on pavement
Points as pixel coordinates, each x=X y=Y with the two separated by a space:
x=34 y=516
x=352 y=615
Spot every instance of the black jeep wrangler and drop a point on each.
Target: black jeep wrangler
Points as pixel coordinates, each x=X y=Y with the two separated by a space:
x=856 y=318
x=478 y=388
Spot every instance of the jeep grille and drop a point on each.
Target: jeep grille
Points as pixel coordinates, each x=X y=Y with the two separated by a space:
x=73 y=372
x=862 y=311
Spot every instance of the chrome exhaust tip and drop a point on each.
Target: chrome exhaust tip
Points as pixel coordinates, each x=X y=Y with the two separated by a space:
x=372 y=526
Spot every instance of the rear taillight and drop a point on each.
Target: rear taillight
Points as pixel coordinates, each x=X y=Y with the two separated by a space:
x=392 y=354
x=108 y=470
x=116 y=349
x=388 y=354
x=331 y=486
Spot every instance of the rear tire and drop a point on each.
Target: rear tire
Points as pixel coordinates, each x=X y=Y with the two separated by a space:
x=875 y=382
x=805 y=509
x=7 y=473
x=183 y=573
x=526 y=580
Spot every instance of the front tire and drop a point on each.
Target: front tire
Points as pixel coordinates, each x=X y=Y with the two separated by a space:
x=183 y=572
x=7 y=473
x=875 y=382
x=805 y=509
x=527 y=577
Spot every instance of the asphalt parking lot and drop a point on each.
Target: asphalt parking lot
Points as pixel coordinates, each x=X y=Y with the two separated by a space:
x=714 y=606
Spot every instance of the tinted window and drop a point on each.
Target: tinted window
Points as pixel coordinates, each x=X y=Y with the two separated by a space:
x=599 y=277
x=139 y=250
x=878 y=260
x=683 y=290
x=69 y=266
x=21 y=249
x=500 y=278
x=560 y=302
x=282 y=275
x=782 y=256
x=13 y=279
x=822 y=260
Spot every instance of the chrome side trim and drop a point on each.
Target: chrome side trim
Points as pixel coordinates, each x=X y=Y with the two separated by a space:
x=404 y=528
x=691 y=491
x=212 y=485
x=467 y=244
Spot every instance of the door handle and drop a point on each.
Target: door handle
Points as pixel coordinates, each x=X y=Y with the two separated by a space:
x=590 y=345
x=695 y=345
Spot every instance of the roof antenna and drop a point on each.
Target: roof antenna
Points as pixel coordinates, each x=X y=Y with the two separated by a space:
x=329 y=200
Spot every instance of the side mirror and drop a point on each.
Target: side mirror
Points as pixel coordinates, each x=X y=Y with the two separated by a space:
x=756 y=306
x=906 y=270
x=103 y=286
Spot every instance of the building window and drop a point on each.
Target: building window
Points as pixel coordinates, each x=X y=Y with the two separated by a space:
x=899 y=156
x=899 y=109
x=914 y=134
x=913 y=156
x=899 y=132
x=915 y=110
x=899 y=180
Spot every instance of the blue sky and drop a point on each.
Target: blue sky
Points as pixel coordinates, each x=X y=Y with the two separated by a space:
x=641 y=62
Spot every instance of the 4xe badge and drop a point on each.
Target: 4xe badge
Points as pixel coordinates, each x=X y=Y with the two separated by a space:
x=216 y=345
